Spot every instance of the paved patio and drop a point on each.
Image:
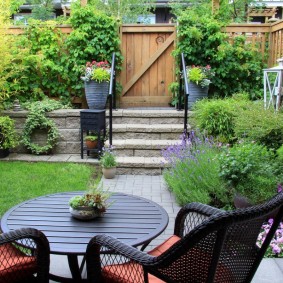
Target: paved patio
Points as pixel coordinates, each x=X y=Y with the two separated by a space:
x=154 y=188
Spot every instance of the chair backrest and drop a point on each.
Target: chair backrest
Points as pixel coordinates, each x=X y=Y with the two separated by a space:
x=23 y=253
x=223 y=248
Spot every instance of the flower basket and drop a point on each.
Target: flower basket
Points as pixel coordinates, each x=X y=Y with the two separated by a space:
x=96 y=94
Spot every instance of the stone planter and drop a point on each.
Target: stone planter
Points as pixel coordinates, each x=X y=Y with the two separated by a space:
x=84 y=213
x=196 y=92
x=96 y=94
x=109 y=173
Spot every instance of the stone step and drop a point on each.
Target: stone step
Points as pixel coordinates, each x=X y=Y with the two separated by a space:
x=147 y=132
x=141 y=148
x=150 y=117
x=140 y=165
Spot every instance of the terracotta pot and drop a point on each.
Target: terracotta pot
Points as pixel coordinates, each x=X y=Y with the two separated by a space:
x=109 y=173
x=91 y=144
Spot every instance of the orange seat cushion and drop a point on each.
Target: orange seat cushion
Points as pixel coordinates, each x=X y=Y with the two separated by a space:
x=15 y=265
x=131 y=272
x=164 y=246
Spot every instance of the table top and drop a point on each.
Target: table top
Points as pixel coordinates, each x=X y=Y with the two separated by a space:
x=131 y=219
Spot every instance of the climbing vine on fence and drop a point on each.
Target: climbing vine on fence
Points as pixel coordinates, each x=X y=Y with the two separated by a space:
x=47 y=62
x=237 y=65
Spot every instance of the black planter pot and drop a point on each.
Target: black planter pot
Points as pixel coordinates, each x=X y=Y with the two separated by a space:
x=96 y=94
x=4 y=152
x=196 y=92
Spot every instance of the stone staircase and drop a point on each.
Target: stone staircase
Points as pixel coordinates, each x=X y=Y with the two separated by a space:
x=139 y=136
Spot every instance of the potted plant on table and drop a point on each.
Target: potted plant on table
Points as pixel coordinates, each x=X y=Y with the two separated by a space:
x=108 y=163
x=96 y=80
x=90 y=205
x=8 y=135
x=199 y=80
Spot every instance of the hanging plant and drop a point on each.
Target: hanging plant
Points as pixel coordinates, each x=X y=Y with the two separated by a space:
x=37 y=120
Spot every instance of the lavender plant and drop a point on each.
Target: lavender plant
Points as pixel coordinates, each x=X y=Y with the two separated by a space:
x=193 y=171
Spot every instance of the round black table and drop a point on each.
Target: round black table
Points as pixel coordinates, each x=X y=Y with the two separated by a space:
x=131 y=219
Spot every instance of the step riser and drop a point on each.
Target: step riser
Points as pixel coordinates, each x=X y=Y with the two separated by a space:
x=147 y=121
x=146 y=136
x=139 y=152
x=139 y=171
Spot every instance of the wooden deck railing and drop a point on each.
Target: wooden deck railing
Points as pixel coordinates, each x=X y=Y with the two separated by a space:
x=266 y=37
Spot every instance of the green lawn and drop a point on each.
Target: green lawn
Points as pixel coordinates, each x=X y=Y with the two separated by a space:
x=20 y=181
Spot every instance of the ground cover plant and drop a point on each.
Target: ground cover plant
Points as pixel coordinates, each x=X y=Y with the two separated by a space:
x=21 y=181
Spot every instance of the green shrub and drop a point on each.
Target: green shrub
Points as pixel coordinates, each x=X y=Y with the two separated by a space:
x=250 y=170
x=193 y=172
x=216 y=116
x=253 y=123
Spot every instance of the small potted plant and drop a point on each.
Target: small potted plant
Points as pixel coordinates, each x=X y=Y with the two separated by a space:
x=96 y=78
x=8 y=135
x=108 y=163
x=90 y=205
x=200 y=75
x=91 y=141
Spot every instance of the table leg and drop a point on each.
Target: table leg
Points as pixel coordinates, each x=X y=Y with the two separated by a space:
x=74 y=268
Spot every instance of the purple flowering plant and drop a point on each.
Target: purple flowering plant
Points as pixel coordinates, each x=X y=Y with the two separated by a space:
x=108 y=157
x=275 y=248
x=192 y=170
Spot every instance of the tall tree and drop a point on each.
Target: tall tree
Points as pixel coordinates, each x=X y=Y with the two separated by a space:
x=127 y=11
x=42 y=9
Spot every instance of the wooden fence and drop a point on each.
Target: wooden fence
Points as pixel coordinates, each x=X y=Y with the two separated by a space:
x=266 y=37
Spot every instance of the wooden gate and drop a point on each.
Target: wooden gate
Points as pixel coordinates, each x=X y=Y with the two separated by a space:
x=148 y=66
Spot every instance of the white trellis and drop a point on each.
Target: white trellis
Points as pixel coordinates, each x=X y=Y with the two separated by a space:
x=273 y=79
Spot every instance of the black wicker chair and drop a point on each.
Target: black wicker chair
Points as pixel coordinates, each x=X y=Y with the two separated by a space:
x=209 y=245
x=24 y=256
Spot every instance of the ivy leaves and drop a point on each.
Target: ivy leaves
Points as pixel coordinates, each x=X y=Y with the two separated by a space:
x=37 y=120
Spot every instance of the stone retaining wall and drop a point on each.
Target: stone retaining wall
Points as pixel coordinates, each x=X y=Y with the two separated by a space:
x=68 y=123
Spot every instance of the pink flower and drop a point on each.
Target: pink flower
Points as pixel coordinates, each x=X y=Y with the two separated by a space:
x=276 y=249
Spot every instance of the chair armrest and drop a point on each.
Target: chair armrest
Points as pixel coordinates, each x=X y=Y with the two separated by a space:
x=104 y=250
x=191 y=215
x=35 y=244
x=115 y=246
